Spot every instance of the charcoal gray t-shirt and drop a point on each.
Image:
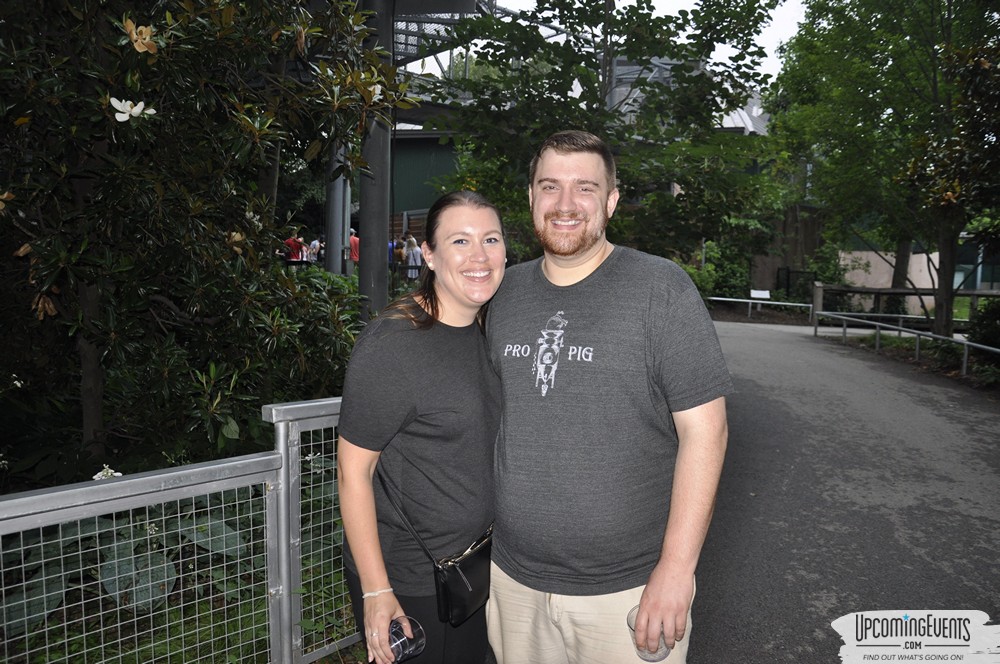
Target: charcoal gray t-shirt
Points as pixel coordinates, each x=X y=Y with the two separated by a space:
x=429 y=401
x=591 y=374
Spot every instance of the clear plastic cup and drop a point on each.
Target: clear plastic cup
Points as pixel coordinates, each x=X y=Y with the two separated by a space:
x=661 y=652
x=403 y=647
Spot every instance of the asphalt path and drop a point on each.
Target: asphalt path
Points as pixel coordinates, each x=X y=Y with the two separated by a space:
x=852 y=483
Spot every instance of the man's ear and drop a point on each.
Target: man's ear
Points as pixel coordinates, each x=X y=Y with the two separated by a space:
x=612 y=201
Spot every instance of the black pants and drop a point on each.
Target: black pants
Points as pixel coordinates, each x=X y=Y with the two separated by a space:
x=465 y=644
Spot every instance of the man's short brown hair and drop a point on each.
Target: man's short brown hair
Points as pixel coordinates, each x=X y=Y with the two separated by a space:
x=571 y=141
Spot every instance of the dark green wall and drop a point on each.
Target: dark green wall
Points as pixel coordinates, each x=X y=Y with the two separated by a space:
x=417 y=160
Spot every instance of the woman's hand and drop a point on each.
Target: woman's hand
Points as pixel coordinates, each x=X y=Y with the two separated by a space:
x=379 y=612
x=355 y=468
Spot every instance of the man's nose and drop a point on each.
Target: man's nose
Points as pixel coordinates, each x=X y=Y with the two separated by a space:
x=566 y=202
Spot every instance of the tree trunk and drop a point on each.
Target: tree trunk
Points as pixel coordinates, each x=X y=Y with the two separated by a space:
x=949 y=229
x=900 y=273
x=267 y=179
x=268 y=182
x=91 y=375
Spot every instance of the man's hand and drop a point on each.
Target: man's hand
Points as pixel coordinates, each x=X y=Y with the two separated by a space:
x=664 y=607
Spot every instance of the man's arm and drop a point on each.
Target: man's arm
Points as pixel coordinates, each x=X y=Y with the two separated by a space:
x=702 y=433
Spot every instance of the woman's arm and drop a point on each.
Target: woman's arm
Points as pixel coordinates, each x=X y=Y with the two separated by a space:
x=355 y=469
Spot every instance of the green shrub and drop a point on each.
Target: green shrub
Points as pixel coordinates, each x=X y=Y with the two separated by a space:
x=984 y=328
x=704 y=278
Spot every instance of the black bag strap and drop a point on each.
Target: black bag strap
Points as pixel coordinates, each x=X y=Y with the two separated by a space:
x=402 y=517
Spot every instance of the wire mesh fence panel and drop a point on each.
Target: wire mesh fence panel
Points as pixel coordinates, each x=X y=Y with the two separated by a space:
x=326 y=608
x=181 y=581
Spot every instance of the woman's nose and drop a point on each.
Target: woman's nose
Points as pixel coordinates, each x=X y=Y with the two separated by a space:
x=478 y=252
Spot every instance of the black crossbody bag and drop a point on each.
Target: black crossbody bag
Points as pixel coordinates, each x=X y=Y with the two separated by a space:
x=462 y=582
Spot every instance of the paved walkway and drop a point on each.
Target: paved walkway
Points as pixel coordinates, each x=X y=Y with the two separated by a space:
x=853 y=482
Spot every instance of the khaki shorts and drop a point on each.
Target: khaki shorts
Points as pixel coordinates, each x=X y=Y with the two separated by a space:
x=526 y=625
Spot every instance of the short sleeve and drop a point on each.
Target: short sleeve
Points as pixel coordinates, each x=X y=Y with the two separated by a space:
x=687 y=359
x=376 y=404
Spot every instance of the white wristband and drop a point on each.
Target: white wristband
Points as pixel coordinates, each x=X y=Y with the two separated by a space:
x=376 y=593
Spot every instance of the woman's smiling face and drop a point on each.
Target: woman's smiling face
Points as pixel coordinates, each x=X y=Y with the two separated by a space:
x=468 y=261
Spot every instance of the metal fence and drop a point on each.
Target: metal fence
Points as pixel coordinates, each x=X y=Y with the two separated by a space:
x=857 y=321
x=236 y=560
x=752 y=301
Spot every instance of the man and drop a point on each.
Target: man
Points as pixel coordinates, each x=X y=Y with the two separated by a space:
x=614 y=430
x=354 y=252
x=296 y=248
x=314 y=248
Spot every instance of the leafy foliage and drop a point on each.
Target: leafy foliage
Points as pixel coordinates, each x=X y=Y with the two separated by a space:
x=526 y=83
x=148 y=313
x=961 y=168
x=867 y=99
x=183 y=560
x=984 y=328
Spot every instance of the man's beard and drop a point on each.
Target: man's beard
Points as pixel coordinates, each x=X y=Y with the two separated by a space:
x=567 y=244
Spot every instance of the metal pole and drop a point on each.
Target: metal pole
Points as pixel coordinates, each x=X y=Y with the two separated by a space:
x=373 y=217
x=283 y=534
x=336 y=222
x=817 y=299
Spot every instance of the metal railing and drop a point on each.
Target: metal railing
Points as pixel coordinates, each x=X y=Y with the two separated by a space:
x=237 y=560
x=758 y=302
x=856 y=320
x=900 y=318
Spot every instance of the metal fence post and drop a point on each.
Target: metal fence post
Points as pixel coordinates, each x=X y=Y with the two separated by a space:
x=281 y=616
x=817 y=301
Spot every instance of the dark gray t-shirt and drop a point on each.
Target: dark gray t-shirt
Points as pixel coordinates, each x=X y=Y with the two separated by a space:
x=591 y=374
x=429 y=401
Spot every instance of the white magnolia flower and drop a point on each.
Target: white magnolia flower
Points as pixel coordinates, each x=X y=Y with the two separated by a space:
x=106 y=472
x=128 y=110
x=141 y=36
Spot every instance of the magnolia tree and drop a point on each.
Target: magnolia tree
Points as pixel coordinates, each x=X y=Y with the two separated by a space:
x=146 y=315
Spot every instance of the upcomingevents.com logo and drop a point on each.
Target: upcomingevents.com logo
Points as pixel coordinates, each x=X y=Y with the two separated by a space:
x=921 y=636
x=950 y=631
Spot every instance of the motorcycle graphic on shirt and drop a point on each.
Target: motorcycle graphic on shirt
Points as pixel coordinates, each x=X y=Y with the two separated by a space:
x=546 y=359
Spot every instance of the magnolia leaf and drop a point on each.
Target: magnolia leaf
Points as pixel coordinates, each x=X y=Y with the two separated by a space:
x=24 y=609
x=211 y=533
x=139 y=583
x=313 y=150
x=231 y=429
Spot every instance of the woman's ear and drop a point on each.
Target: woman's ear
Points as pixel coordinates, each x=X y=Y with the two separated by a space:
x=428 y=255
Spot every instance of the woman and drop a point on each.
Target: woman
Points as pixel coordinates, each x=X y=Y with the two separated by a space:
x=414 y=259
x=422 y=408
